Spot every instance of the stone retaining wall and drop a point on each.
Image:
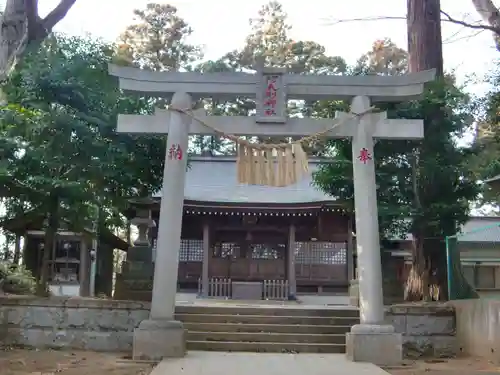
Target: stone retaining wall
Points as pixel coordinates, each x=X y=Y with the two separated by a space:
x=428 y=329
x=93 y=324
x=108 y=325
x=478 y=324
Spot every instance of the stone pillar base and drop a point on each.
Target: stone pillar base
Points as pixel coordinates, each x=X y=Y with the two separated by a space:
x=157 y=339
x=377 y=344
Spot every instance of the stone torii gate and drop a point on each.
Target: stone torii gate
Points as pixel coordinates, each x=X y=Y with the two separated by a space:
x=162 y=336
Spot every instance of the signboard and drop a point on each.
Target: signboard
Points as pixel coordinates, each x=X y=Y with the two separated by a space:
x=271 y=96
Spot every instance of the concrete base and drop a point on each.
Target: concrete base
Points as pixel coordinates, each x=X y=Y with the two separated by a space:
x=377 y=344
x=157 y=339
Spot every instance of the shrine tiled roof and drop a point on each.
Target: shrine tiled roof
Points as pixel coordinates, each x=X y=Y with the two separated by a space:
x=214 y=179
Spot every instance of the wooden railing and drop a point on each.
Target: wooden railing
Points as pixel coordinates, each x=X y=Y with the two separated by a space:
x=276 y=289
x=221 y=288
x=217 y=287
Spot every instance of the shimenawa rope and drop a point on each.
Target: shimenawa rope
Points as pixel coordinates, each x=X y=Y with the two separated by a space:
x=272 y=164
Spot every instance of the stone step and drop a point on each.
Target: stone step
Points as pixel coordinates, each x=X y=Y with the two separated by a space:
x=270 y=347
x=266 y=337
x=272 y=328
x=271 y=310
x=267 y=319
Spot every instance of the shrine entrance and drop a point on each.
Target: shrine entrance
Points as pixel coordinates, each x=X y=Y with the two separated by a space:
x=249 y=255
x=275 y=165
x=305 y=250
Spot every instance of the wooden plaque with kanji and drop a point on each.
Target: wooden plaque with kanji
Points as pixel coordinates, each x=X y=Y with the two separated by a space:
x=271 y=96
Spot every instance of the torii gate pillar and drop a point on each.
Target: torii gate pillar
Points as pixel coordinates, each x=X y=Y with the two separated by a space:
x=373 y=340
x=161 y=336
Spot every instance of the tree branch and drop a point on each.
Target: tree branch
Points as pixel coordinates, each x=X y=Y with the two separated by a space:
x=57 y=14
x=22 y=27
x=488 y=11
x=366 y=19
x=447 y=18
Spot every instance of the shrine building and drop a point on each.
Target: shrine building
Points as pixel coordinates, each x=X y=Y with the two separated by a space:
x=249 y=241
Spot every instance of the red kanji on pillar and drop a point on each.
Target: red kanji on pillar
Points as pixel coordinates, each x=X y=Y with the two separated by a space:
x=175 y=152
x=178 y=153
x=364 y=156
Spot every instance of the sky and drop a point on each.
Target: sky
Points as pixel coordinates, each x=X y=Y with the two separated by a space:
x=221 y=25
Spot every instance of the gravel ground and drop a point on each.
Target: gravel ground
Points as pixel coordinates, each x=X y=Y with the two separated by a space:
x=462 y=366
x=51 y=362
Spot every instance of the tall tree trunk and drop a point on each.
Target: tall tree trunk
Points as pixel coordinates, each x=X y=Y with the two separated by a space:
x=128 y=233
x=425 y=51
x=6 y=246
x=22 y=27
x=427 y=279
x=49 y=242
x=17 y=250
x=425 y=45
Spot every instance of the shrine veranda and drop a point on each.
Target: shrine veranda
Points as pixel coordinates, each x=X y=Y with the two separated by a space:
x=272 y=88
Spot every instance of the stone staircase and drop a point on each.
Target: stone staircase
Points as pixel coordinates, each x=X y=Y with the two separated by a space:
x=266 y=329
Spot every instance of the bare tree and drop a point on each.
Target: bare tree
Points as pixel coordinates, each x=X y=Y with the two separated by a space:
x=23 y=28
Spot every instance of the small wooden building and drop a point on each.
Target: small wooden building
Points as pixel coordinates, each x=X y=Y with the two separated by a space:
x=72 y=256
x=295 y=237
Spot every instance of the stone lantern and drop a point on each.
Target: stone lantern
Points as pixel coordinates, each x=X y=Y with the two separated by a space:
x=137 y=271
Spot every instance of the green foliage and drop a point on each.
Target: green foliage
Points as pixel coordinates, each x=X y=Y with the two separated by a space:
x=440 y=203
x=445 y=185
x=157 y=40
x=16 y=279
x=385 y=58
x=486 y=162
x=61 y=132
